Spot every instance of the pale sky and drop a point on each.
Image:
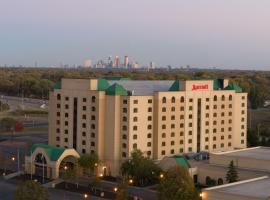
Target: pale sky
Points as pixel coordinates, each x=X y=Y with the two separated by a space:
x=200 y=33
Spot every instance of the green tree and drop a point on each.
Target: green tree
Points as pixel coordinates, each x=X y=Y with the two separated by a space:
x=141 y=169
x=8 y=123
x=232 y=174
x=31 y=190
x=122 y=193
x=177 y=184
x=88 y=162
x=71 y=174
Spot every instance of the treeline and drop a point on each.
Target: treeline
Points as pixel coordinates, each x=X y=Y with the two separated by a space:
x=37 y=83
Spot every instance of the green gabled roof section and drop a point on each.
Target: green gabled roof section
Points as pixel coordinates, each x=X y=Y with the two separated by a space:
x=57 y=85
x=116 y=89
x=53 y=152
x=116 y=78
x=218 y=84
x=175 y=86
x=233 y=86
x=103 y=84
x=182 y=161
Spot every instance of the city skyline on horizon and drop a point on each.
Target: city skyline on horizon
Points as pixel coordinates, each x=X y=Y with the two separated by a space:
x=202 y=34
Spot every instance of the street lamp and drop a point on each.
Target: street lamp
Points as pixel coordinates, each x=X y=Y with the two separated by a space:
x=65 y=168
x=161 y=176
x=13 y=158
x=115 y=189
x=85 y=196
x=130 y=181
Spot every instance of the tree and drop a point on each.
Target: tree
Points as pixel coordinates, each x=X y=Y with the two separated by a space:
x=232 y=174
x=88 y=162
x=122 y=193
x=8 y=123
x=141 y=169
x=177 y=184
x=71 y=174
x=31 y=190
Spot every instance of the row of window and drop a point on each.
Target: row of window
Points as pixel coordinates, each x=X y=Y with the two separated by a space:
x=93 y=98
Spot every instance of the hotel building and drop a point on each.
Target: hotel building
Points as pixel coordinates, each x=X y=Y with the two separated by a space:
x=114 y=116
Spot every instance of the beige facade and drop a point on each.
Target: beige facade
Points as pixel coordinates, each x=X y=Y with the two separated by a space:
x=161 y=118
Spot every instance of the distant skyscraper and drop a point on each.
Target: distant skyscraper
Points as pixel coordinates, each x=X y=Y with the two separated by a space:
x=126 y=62
x=152 y=65
x=88 y=63
x=116 y=62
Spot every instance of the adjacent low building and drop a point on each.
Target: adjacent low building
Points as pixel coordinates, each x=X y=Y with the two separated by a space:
x=114 y=116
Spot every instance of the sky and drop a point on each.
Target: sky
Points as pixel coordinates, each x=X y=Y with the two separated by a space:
x=231 y=34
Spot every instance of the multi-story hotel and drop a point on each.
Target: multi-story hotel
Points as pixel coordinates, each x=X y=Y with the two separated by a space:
x=114 y=116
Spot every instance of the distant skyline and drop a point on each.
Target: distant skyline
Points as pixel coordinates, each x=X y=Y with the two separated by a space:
x=232 y=34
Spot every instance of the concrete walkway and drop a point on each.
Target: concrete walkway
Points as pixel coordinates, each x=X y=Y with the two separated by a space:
x=53 y=183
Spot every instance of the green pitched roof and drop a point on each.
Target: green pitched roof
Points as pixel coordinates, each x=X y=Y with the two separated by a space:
x=182 y=161
x=175 y=86
x=53 y=152
x=233 y=87
x=116 y=78
x=57 y=85
x=218 y=84
x=102 y=84
x=116 y=89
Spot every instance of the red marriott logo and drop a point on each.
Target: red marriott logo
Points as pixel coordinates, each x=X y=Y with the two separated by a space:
x=199 y=87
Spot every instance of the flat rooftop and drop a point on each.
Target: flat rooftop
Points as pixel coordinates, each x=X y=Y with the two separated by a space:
x=259 y=153
x=255 y=188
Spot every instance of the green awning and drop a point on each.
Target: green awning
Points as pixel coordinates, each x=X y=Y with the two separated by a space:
x=52 y=152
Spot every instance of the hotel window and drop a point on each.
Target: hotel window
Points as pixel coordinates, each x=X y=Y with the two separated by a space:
x=93 y=117
x=135 y=128
x=58 y=105
x=207 y=99
x=230 y=129
x=84 y=116
x=135 y=101
x=124 y=154
x=222 y=106
x=190 y=107
x=173 y=99
x=242 y=134
x=181 y=116
x=223 y=98
x=182 y=108
x=230 y=121
x=190 y=100
x=83 y=151
x=66 y=140
x=149 y=118
x=206 y=139
x=67 y=98
x=214 y=122
x=222 y=114
x=230 y=113
x=57 y=138
x=190 y=125
x=124 y=110
x=215 y=106
x=124 y=137
x=190 y=132
x=243 y=112
x=190 y=149
x=149 y=135
x=84 y=107
x=229 y=144
x=172 y=126
x=163 y=152
x=163 y=126
x=243 y=104
x=135 y=119
x=243 y=97
x=124 y=145
x=207 y=115
x=222 y=145
x=66 y=115
x=93 y=135
x=92 y=144
x=242 y=141
x=172 y=151
x=172 y=117
x=84 y=125
x=149 y=127
x=206 y=147
x=149 y=109
x=163 y=135
x=66 y=131
x=230 y=136
x=215 y=98
x=135 y=110
x=58 y=97
x=190 y=141
x=181 y=133
x=149 y=100
x=242 y=126
x=222 y=137
x=222 y=121
x=164 y=100
x=124 y=101
x=135 y=137
x=58 y=114
x=172 y=109
x=207 y=107
x=149 y=144
x=93 y=109
x=222 y=129
x=214 y=130
x=66 y=123
x=230 y=97
x=181 y=125
x=190 y=116
x=206 y=130
x=206 y=123
x=93 y=99
x=83 y=133
x=181 y=141
x=163 y=109
x=214 y=114
x=83 y=142
x=84 y=99
x=242 y=119
x=172 y=134
x=214 y=146
x=182 y=99
x=163 y=118
x=148 y=153
x=58 y=130
x=163 y=144
x=230 y=105
x=93 y=126
x=181 y=150
x=58 y=122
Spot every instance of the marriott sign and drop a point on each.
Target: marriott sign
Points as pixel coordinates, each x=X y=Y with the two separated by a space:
x=199 y=87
